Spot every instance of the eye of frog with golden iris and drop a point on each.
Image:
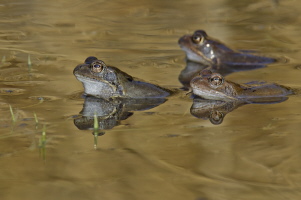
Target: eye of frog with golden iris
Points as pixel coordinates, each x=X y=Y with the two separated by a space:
x=216 y=80
x=198 y=37
x=97 y=66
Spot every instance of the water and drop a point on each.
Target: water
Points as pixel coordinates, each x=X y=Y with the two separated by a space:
x=161 y=153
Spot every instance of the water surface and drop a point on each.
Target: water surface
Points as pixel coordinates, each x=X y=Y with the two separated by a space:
x=160 y=153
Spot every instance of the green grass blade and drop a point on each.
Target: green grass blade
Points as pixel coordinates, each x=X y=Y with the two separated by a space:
x=12 y=114
x=95 y=133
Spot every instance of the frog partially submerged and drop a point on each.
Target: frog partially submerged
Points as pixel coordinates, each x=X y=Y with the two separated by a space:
x=199 y=47
x=107 y=82
x=213 y=86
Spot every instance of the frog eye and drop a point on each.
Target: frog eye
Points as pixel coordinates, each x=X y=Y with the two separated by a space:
x=97 y=66
x=216 y=117
x=197 y=39
x=216 y=80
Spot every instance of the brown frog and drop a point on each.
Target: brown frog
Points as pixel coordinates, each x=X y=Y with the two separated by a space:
x=199 y=47
x=107 y=82
x=210 y=85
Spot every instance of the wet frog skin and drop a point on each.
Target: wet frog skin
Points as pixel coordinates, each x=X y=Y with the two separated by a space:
x=213 y=86
x=107 y=82
x=199 y=47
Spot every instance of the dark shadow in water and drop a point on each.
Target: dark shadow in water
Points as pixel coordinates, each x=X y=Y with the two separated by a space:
x=192 y=69
x=216 y=111
x=110 y=112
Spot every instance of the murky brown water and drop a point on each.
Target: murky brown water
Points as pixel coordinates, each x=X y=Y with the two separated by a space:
x=161 y=153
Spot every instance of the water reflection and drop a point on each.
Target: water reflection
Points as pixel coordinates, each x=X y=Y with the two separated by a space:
x=192 y=69
x=216 y=110
x=262 y=162
x=110 y=112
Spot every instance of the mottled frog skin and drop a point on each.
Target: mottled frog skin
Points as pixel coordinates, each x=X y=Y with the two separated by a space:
x=199 y=47
x=213 y=86
x=107 y=82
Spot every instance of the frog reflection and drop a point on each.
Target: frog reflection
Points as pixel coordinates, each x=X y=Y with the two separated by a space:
x=201 y=48
x=192 y=69
x=108 y=82
x=216 y=110
x=110 y=113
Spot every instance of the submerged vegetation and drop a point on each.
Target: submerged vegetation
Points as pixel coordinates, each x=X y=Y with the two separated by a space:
x=42 y=143
x=42 y=137
x=20 y=126
x=95 y=132
x=29 y=63
x=12 y=114
x=3 y=60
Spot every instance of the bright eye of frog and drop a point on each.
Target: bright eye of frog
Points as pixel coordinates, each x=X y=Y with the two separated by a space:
x=197 y=39
x=216 y=80
x=97 y=66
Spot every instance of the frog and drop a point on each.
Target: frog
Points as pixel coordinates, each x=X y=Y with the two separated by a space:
x=107 y=82
x=201 y=48
x=210 y=85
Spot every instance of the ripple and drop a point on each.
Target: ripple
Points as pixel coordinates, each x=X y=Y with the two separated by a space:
x=11 y=91
x=44 y=98
x=24 y=77
x=298 y=67
x=77 y=95
x=23 y=83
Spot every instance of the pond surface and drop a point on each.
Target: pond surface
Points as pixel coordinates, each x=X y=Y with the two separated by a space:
x=160 y=153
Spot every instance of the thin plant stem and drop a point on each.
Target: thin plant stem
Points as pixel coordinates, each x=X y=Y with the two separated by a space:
x=29 y=63
x=12 y=114
x=3 y=59
x=42 y=143
x=95 y=133
x=36 y=119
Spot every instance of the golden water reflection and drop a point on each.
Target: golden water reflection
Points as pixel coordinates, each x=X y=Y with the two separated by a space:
x=161 y=153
